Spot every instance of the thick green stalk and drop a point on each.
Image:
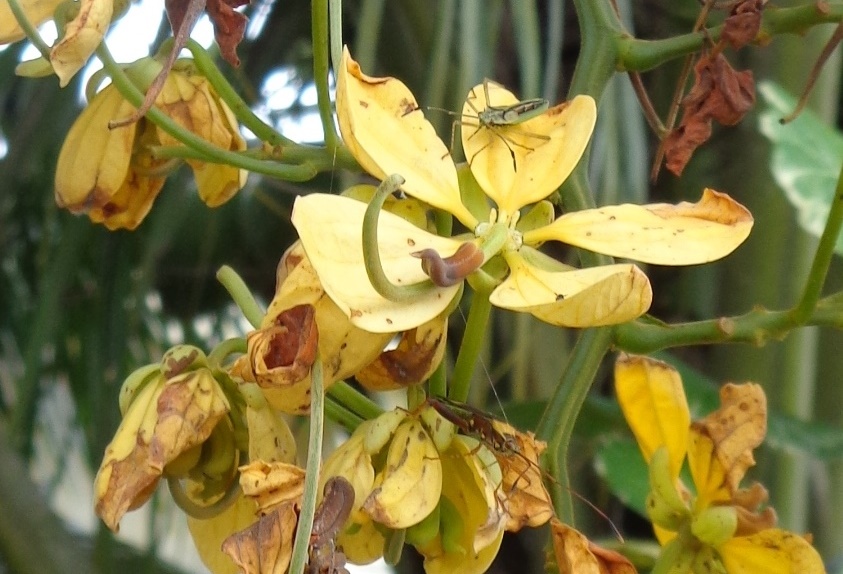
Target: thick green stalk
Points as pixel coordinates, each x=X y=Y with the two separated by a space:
x=472 y=343
x=229 y=95
x=339 y=414
x=321 y=70
x=642 y=55
x=557 y=423
x=353 y=400
x=311 y=481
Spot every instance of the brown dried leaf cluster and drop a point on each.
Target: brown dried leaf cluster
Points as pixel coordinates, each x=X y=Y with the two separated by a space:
x=719 y=93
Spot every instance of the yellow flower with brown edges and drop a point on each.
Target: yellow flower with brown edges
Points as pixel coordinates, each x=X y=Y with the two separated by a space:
x=501 y=202
x=36 y=11
x=714 y=526
x=111 y=174
x=413 y=477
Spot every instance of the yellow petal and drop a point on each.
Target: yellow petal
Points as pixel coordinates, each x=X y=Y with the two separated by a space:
x=270 y=438
x=387 y=133
x=361 y=542
x=664 y=234
x=467 y=489
x=771 y=551
x=94 y=160
x=37 y=11
x=354 y=463
x=330 y=229
x=188 y=99
x=125 y=480
x=652 y=398
x=82 y=36
x=408 y=488
x=208 y=535
x=546 y=148
x=133 y=200
x=707 y=471
x=345 y=349
x=591 y=297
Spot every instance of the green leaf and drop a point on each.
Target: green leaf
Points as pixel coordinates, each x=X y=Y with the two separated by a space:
x=619 y=462
x=805 y=159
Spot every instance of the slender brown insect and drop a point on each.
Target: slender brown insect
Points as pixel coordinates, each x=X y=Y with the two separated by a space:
x=475 y=423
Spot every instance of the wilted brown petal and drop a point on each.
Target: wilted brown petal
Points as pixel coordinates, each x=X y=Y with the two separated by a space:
x=283 y=353
x=414 y=359
x=720 y=94
x=736 y=428
x=576 y=554
x=743 y=23
x=265 y=547
x=527 y=501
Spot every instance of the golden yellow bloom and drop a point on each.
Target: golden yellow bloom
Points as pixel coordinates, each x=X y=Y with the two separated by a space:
x=111 y=175
x=716 y=526
x=386 y=131
x=397 y=465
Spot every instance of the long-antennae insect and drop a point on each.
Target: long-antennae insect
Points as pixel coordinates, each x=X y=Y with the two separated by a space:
x=477 y=424
x=498 y=118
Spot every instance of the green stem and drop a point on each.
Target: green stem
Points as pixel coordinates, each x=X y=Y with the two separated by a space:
x=321 y=44
x=439 y=62
x=229 y=95
x=437 y=384
x=239 y=291
x=208 y=151
x=600 y=30
x=822 y=258
x=238 y=159
x=472 y=343
x=28 y=29
x=301 y=543
x=335 y=33
x=339 y=414
x=356 y=402
x=642 y=55
x=371 y=249
x=236 y=345
x=557 y=423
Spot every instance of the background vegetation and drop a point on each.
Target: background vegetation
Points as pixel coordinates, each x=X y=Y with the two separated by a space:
x=80 y=307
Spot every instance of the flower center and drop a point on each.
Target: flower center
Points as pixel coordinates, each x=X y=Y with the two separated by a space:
x=501 y=222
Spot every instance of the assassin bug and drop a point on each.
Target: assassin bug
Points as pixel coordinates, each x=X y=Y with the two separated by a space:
x=477 y=424
x=498 y=118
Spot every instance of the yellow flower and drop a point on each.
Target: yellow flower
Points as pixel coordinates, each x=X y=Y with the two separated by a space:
x=302 y=318
x=717 y=527
x=411 y=473
x=111 y=175
x=174 y=424
x=514 y=166
x=37 y=12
